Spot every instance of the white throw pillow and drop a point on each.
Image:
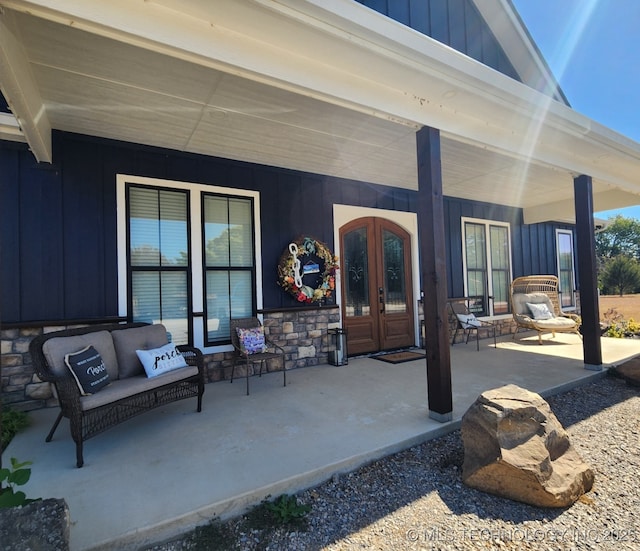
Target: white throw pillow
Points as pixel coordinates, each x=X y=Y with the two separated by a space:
x=468 y=321
x=161 y=360
x=540 y=311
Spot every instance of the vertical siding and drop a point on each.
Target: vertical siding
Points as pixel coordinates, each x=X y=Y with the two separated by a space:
x=59 y=223
x=533 y=247
x=59 y=246
x=456 y=23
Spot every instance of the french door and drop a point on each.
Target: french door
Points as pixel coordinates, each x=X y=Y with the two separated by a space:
x=377 y=289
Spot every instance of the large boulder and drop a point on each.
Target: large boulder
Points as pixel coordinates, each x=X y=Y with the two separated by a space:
x=42 y=525
x=515 y=447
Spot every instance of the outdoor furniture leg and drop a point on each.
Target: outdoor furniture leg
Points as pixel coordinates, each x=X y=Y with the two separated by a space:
x=54 y=427
x=79 y=458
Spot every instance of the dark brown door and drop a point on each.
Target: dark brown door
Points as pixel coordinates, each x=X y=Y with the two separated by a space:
x=377 y=289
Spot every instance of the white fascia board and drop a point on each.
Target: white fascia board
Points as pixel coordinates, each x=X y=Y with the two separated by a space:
x=21 y=92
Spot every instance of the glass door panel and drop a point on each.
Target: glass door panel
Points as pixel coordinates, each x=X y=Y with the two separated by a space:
x=395 y=293
x=356 y=273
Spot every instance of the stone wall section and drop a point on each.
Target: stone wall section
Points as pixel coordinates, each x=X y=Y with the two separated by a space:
x=21 y=387
x=302 y=334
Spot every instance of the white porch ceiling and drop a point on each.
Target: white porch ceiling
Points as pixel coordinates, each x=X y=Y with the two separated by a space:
x=296 y=85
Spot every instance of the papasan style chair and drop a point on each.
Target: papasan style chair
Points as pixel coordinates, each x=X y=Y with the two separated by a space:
x=535 y=305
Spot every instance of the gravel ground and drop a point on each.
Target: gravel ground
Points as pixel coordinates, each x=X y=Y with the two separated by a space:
x=416 y=499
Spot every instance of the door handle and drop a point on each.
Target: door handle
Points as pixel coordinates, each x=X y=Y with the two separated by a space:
x=381 y=299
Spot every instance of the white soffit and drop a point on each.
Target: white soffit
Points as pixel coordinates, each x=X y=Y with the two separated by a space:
x=323 y=86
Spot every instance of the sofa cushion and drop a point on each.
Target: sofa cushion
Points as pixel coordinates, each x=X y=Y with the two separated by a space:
x=56 y=348
x=131 y=386
x=88 y=369
x=161 y=360
x=127 y=341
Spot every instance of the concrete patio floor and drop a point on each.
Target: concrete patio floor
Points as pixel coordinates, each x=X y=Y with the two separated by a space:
x=166 y=471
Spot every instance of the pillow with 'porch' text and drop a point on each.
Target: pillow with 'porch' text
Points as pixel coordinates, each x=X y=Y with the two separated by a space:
x=88 y=370
x=158 y=361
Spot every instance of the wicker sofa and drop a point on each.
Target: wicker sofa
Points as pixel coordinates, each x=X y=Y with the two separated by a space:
x=129 y=391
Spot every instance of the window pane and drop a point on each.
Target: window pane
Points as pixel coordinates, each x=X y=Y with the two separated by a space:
x=394 y=280
x=216 y=231
x=565 y=268
x=143 y=227
x=229 y=295
x=161 y=297
x=241 y=232
x=500 y=291
x=174 y=298
x=499 y=248
x=218 y=313
x=565 y=251
x=356 y=273
x=500 y=273
x=228 y=231
x=476 y=247
x=145 y=292
x=158 y=227
x=173 y=228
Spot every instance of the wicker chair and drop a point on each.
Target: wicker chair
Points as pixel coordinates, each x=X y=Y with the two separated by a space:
x=464 y=320
x=273 y=350
x=541 y=291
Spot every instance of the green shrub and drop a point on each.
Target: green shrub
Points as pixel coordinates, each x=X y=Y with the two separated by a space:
x=12 y=422
x=17 y=475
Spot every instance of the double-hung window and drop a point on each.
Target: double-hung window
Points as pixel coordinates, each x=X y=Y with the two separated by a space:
x=487 y=265
x=187 y=257
x=566 y=272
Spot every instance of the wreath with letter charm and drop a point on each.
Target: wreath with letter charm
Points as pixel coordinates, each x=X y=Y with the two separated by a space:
x=312 y=260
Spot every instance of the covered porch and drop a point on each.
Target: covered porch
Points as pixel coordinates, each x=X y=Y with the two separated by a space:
x=164 y=472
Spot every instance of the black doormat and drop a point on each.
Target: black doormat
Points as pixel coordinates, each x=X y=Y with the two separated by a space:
x=399 y=357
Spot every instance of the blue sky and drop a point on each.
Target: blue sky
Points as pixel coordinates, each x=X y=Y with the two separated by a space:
x=593 y=49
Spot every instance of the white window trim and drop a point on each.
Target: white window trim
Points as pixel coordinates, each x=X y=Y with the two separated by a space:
x=573 y=266
x=486 y=223
x=197 y=269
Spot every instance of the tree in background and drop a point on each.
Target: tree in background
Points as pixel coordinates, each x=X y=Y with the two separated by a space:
x=621 y=275
x=621 y=236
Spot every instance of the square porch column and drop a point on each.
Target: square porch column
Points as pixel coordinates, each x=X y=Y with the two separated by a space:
x=587 y=272
x=433 y=269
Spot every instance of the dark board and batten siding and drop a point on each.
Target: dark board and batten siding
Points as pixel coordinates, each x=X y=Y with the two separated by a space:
x=58 y=222
x=533 y=246
x=456 y=23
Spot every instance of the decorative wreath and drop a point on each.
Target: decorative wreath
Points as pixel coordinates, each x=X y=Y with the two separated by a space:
x=293 y=266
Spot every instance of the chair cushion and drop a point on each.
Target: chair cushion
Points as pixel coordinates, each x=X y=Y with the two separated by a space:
x=540 y=311
x=56 y=348
x=251 y=340
x=557 y=324
x=88 y=369
x=161 y=360
x=127 y=341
